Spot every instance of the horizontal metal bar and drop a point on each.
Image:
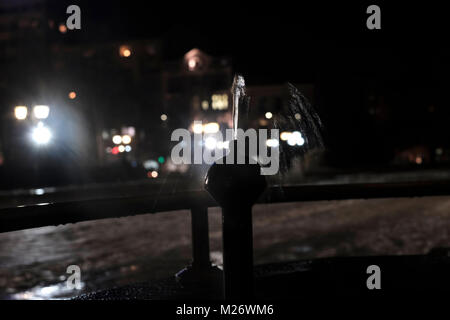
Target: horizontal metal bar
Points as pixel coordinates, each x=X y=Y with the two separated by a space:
x=357 y=191
x=48 y=214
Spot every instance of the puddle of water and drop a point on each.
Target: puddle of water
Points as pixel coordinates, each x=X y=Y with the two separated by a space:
x=216 y=257
x=57 y=291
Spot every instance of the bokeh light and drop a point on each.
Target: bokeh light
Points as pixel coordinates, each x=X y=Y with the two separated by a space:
x=20 y=112
x=41 y=111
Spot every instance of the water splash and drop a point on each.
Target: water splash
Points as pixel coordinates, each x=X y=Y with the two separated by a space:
x=238 y=92
x=298 y=115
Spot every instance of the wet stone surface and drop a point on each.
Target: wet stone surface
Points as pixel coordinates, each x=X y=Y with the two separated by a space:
x=142 y=249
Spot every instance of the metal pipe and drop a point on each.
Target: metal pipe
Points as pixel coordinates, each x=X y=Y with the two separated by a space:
x=237 y=236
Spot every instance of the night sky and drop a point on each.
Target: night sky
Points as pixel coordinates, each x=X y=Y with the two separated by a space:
x=269 y=42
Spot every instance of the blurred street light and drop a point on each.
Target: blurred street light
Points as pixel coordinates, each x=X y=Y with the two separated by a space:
x=285 y=135
x=41 y=134
x=268 y=115
x=150 y=164
x=126 y=139
x=125 y=51
x=197 y=128
x=117 y=139
x=154 y=174
x=292 y=138
x=72 y=95
x=295 y=138
x=163 y=117
x=272 y=143
x=211 y=127
x=210 y=143
x=223 y=144
x=41 y=111
x=20 y=112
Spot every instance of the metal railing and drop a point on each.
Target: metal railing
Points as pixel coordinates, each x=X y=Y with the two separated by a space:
x=48 y=214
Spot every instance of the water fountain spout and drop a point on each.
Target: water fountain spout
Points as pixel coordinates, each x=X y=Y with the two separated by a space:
x=236 y=187
x=238 y=92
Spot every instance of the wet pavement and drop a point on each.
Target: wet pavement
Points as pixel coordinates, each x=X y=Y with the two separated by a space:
x=117 y=252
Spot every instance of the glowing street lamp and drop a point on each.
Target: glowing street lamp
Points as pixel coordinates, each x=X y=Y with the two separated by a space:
x=72 y=95
x=125 y=51
x=41 y=134
x=20 y=112
x=41 y=111
x=62 y=28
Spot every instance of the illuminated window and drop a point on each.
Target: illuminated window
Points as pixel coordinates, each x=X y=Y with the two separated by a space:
x=205 y=104
x=219 y=101
x=192 y=63
x=194 y=60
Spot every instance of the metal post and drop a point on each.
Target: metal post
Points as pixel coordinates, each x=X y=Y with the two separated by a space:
x=200 y=239
x=236 y=187
x=201 y=274
x=237 y=251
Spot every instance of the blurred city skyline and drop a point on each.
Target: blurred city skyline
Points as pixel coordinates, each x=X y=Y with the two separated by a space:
x=143 y=71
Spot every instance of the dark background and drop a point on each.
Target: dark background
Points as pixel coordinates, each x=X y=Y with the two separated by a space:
x=378 y=92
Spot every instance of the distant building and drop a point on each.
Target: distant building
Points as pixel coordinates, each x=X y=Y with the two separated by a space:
x=197 y=87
